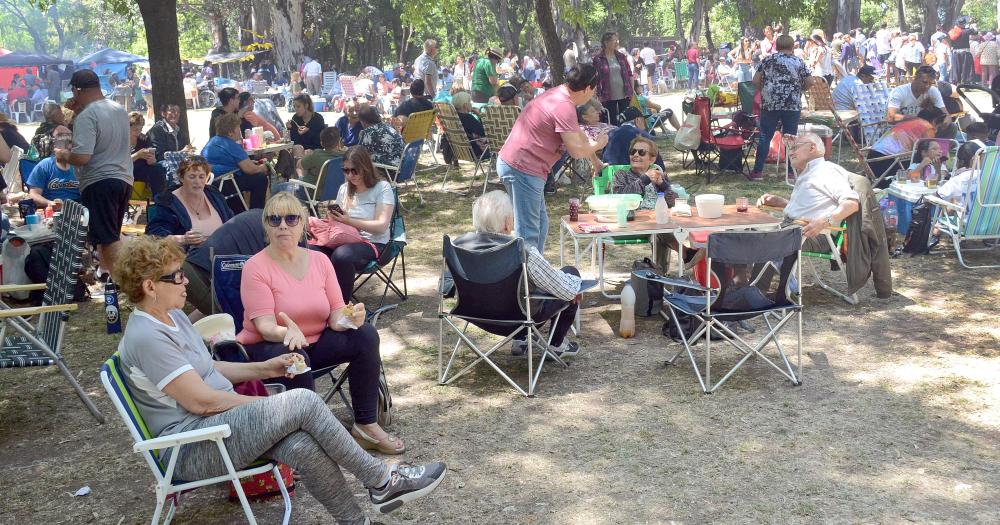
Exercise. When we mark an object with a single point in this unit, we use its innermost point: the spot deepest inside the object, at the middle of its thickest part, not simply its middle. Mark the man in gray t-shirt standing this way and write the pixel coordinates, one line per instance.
(103, 163)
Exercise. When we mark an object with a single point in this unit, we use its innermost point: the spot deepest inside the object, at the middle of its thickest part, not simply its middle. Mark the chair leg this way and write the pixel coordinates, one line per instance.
(236, 483)
(79, 391)
(284, 495)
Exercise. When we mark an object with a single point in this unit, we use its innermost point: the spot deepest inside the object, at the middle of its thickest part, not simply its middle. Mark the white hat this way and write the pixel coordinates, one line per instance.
(216, 328)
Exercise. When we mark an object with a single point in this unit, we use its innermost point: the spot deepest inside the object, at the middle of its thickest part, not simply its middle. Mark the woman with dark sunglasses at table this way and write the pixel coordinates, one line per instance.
(366, 203)
(643, 177)
(292, 301)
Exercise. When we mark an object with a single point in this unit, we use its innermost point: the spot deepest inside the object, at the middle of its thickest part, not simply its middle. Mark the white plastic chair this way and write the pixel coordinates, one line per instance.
(19, 107)
(12, 171)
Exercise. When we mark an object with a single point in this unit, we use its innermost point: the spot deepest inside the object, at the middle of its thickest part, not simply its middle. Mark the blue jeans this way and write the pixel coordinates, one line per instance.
(531, 220)
(692, 75)
(743, 73)
(768, 125)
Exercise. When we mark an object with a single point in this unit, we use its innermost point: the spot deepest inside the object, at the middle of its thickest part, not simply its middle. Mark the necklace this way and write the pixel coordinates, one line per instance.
(198, 213)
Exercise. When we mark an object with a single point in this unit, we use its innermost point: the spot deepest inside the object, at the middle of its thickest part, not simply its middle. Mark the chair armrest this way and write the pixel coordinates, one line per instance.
(36, 310)
(938, 201)
(680, 283)
(5, 288)
(302, 183)
(385, 166)
(182, 438)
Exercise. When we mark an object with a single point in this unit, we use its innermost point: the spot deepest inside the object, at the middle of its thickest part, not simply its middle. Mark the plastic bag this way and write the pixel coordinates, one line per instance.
(689, 136)
(15, 252)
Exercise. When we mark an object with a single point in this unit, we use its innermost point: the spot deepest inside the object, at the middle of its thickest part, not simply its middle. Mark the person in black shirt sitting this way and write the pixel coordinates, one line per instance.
(417, 103)
(229, 102)
(306, 124)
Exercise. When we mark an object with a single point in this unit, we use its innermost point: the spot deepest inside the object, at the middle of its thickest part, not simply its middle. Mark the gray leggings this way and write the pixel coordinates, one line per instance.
(297, 429)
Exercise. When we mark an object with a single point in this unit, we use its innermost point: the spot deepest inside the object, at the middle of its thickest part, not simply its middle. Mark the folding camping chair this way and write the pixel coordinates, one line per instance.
(681, 72)
(221, 180)
(347, 86)
(227, 271)
(113, 378)
(498, 121)
(329, 79)
(12, 172)
(978, 218)
(392, 253)
(872, 102)
(745, 265)
(492, 293)
(331, 177)
(836, 239)
(406, 170)
(821, 110)
(461, 147)
(41, 345)
(419, 126)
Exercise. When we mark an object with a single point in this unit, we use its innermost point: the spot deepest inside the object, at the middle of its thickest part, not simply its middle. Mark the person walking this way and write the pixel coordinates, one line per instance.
(615, 84)
(692, 58)
(484, 77)
(313, 73)
(780, 78)
(102, 156)
(545, 128)
(425, 67)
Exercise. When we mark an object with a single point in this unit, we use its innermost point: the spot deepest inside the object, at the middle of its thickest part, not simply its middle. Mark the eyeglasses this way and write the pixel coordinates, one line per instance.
(291, 220)
(637, 151)
(174, 278)
(351, 171)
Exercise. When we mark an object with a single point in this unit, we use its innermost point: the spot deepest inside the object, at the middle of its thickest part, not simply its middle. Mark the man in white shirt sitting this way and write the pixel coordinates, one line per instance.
(907, 100)
(843, 94)
(822, 196)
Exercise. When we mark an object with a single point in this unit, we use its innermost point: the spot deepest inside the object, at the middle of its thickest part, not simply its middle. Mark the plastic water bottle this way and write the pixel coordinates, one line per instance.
(626, 328)
(891, 224)
(662, 210)
(111, 314)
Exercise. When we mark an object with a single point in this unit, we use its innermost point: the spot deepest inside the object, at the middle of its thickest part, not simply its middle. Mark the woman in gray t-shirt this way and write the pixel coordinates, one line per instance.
(178, 387)
(366, 203)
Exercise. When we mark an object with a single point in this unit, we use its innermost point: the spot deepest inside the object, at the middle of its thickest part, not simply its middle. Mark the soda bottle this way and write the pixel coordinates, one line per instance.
(891, 224)
(111, 308)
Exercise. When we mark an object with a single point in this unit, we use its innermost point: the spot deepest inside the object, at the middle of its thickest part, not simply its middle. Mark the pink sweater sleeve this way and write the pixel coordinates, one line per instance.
(332, 286)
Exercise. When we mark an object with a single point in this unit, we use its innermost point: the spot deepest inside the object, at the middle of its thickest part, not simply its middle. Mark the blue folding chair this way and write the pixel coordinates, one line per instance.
(331, 177)
(407, 169)
(384, 266)
(227, 271)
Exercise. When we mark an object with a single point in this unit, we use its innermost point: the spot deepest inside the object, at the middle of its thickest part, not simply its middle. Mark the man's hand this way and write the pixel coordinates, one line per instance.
(577, 299)
(62, 155)
(771, 200)
(815, 227)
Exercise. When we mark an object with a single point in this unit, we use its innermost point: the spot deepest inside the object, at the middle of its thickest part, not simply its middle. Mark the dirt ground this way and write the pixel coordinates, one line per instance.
(897, 420)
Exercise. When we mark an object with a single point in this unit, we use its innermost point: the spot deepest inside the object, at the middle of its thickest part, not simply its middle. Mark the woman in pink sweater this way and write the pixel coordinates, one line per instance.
(292, 301)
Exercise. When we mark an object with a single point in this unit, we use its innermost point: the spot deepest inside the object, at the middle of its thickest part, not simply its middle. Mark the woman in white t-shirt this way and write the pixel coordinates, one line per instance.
(365, 202)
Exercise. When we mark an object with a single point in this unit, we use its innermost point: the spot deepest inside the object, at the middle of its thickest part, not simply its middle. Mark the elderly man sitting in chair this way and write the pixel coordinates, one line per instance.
(822, 196)
(493, 219)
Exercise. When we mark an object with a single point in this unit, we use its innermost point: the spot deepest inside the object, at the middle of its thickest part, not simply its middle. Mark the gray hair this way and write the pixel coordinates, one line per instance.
(816, 141)
(50, 109)
(491, 211)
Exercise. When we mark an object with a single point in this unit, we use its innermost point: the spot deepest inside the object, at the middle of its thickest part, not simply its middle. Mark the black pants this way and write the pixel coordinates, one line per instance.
(547, 309)
(348, 260)
(615, 108)
(153, 175)
(255, 184)
(879, 166)
(962, 67)
(358, 347)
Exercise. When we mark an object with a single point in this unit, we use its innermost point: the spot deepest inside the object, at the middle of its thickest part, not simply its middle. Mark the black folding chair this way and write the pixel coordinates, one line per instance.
(745, 264)
(384, 266)
(492, 291)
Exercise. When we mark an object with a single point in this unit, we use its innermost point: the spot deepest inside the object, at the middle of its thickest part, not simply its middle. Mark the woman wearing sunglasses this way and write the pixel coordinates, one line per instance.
(292, 301)
(365, 202)
(644, 177)
(177, 387)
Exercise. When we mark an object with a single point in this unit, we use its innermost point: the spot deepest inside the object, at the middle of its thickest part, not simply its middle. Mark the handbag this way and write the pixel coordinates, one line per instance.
(689, 136)
(331, 234)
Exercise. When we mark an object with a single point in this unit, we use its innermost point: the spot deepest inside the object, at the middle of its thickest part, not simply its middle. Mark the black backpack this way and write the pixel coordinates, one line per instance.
(920, 229)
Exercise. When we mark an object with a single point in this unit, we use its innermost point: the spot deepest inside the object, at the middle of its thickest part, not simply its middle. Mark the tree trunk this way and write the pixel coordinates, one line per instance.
(679, 24)
(59, 26)
(286, 22)
(543, 12)
(160, 19)
(217, 23)
(931, 19)
(952, 11)
(696, 18)
(901, 15)
(245, 27)
(708, 34)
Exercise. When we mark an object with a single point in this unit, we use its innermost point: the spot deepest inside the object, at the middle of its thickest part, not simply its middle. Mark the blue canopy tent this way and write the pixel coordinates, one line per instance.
(107, 62)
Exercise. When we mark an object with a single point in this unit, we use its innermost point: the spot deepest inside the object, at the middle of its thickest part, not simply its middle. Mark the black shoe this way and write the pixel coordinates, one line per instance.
(550, 190)
(406, 483)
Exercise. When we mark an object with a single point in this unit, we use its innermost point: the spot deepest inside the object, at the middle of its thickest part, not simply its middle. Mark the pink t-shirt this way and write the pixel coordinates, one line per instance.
(534, 144)
(692, 55)
(267, 290)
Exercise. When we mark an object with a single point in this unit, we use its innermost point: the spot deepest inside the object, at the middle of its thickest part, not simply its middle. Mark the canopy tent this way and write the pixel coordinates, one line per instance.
(223, 58)
(16, 62)
(108, 61)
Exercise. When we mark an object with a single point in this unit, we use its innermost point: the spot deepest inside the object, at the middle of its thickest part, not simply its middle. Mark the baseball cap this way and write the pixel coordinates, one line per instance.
(84, 78)
(866, 70)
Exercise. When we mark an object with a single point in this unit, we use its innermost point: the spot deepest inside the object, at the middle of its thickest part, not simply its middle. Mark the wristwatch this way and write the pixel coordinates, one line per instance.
(832, 222)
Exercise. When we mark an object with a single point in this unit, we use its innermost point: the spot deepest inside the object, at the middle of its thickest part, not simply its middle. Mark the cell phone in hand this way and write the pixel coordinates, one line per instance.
(335, 208)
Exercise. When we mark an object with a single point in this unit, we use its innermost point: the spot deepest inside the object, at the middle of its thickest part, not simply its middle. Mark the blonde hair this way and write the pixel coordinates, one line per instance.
(136, 118)
(143, 259)
(283, 203)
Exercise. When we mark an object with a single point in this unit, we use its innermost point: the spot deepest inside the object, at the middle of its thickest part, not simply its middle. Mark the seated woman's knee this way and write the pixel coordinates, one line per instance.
(368, 341)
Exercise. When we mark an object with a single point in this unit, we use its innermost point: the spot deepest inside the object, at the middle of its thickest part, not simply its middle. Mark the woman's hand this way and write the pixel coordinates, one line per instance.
(294, 339)
(338, 216)
(278, 366)
(655, 176)
(358, 316)
(193, 238)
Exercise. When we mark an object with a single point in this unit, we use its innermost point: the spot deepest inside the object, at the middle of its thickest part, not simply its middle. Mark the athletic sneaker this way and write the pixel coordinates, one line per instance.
(755, 176)
(407, 482)
(567, 349)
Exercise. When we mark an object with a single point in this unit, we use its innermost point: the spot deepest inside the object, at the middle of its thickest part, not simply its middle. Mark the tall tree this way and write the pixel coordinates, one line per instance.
(696, 19)
(679, 24)
(901, 15)
(550, 37)
(511, 17)
(159, 17)
(286, 21)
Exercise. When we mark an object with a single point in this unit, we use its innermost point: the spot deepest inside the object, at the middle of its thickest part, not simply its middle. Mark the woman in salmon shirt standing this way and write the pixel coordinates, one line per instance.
(292, 301)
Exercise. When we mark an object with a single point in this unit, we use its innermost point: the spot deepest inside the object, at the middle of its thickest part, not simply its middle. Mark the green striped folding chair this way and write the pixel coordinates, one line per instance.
(836, 239)
(978, 218)
(113, 378)
(607, 174)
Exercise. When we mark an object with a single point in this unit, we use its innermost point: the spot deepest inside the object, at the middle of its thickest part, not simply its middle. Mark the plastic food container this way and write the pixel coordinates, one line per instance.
(215, 328)
(709, 205)
(605, 206)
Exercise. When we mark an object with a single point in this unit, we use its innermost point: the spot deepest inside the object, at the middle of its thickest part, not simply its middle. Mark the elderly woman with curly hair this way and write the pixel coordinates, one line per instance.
(178, 387)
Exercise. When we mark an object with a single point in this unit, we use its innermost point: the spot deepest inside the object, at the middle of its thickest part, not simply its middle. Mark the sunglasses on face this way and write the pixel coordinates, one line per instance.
(637, 151)
(275, 220)
(173, 278)
(351, 171)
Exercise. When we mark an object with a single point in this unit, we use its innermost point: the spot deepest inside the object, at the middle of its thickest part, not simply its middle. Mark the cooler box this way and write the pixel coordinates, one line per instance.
(824, 133)
(319, 104)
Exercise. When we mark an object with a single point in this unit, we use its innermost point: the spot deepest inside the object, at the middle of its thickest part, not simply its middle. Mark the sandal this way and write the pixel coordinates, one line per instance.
(390, 445)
